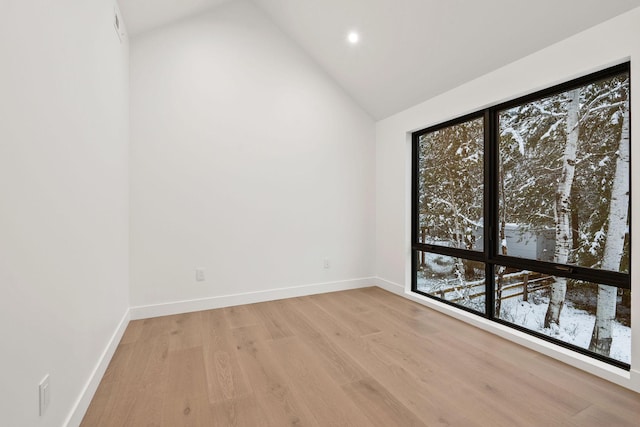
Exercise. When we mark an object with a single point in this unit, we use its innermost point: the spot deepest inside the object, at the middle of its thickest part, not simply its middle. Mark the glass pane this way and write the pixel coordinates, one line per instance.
(525, 298)
(450, 181)
(453, 279)
(564, 177)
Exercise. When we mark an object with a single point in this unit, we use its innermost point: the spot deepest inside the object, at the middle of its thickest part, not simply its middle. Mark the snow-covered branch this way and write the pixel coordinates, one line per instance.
(544, 111)
(516, 135)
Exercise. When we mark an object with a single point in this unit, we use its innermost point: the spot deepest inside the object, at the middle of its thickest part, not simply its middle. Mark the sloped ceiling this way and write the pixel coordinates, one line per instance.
(410, 50)
(144, 15)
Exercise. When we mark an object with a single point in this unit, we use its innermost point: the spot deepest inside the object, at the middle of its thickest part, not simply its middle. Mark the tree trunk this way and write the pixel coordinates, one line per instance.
(614, 246)
(503, 242)
(562, 211)
(458, 238)
(575, 219)
(626, 299)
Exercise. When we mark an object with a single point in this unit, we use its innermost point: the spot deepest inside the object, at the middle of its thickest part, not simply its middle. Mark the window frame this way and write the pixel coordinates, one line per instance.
(489, 255)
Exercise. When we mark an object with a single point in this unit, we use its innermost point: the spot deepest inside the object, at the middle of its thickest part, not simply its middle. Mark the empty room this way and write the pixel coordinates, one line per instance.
(319, 213)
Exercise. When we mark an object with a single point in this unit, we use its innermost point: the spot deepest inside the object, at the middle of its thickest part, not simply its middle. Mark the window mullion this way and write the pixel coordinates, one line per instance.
(490, 208)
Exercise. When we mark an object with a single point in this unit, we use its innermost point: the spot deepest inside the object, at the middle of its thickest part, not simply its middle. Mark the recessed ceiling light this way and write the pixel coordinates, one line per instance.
(353, 37)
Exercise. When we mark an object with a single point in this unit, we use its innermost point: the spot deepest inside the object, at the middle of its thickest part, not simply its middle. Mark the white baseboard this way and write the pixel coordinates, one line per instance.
(390, 286)
(635, 380)
(82, 404)
(142, 312)
(626, 379)
(178, 307)
(630, 380)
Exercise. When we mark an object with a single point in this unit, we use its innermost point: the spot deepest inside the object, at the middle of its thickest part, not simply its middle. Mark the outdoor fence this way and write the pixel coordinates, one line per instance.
(520, 283)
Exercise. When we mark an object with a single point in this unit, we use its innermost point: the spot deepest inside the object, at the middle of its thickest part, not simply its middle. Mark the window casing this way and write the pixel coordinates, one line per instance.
(525, 206)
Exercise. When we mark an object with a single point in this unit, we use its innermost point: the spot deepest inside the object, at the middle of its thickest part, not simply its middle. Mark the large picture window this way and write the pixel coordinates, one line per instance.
(521, 214)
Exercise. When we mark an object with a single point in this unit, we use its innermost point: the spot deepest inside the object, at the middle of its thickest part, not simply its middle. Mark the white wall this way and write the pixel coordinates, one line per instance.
(246, 161)
(607, 44)
(64, 201)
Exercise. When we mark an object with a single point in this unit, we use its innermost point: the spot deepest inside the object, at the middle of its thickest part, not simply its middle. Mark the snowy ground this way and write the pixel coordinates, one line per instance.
(576, 325)
(575, 328)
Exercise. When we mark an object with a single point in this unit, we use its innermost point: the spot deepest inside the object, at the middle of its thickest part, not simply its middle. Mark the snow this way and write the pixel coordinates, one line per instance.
(597, 239)
(614, 118)
(576, 326)
(516, 135)
(531, 181)
(539, 158)
(551, 130)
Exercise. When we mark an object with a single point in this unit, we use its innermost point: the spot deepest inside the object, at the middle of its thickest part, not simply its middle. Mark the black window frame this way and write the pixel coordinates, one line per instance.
(489, 255)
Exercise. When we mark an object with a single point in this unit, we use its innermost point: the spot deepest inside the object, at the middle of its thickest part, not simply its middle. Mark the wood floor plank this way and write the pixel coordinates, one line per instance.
(323, 397)
(240, 316)
(384, 313)
(186, 412)
(186, 376)
(514, 382)
(338, 332)
(147, 407)
(381, 407)
(595, 416)
(392, 376)
(155, 353)
(363, 357)
(396, 302)
(133, 332)
(340, 309)
(269, 315)
(155, 327)
(102, 405)
(147, 361)
(242, 412)
(338, 364)
(588, 387)
(117, 369)
(269, 382)
(225, 378)
(424, 361)
(114, 402)
(186, 331)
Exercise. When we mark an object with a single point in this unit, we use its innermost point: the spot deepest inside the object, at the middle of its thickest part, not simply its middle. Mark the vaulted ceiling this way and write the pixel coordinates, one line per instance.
(409, 50)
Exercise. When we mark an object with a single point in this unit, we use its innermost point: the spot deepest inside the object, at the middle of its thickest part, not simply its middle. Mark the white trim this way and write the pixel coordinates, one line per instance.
(635, 380)
(82, 404)
(186, 306)
(392, 287)
(630, 380)
(585, 363)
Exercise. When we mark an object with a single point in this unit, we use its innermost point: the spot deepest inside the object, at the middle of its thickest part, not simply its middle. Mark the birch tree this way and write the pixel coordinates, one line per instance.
(503, 241)
(600, 131)
(601, 337)
(556, 169)
(562, 209)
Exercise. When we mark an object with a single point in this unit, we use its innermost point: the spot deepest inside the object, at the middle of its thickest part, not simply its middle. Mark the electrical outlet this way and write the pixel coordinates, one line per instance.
(45, 394)
(200, 274)
(326, 263)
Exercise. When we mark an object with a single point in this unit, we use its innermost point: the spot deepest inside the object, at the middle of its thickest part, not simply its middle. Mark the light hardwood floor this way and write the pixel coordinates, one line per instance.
(355, 358)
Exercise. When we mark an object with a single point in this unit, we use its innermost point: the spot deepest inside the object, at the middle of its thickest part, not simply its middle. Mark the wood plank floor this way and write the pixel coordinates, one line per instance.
(355, 358)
